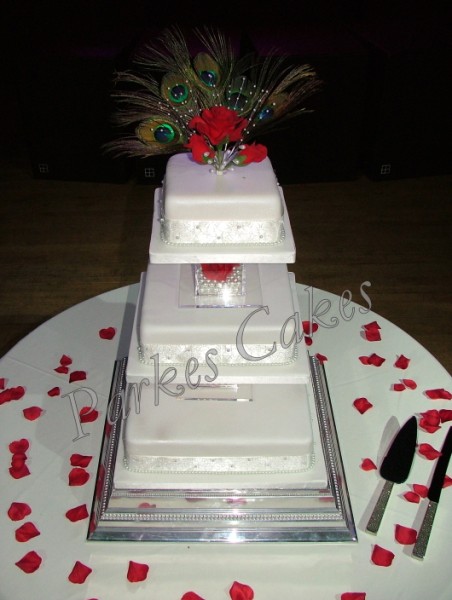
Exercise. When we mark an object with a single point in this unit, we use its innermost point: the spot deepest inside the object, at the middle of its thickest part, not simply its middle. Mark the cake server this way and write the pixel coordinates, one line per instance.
(433, 496)
(395, 468)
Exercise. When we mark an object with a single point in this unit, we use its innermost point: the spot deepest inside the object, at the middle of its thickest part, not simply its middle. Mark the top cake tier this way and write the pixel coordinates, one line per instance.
(204, 214)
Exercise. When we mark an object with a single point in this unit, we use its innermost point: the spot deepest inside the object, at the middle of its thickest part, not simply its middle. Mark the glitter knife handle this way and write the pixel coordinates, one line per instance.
(420, 547)
(377, 514)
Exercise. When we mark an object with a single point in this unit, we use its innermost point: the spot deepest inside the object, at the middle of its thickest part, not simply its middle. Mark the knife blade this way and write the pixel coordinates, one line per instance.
(434, 493)
(395, 468)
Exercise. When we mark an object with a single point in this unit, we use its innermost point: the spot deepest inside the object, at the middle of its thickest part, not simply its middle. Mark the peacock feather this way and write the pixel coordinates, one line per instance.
(168, 87)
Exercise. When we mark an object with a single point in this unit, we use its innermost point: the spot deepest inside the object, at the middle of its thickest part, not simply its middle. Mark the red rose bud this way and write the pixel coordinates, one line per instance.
(200, 150)
(251, 153)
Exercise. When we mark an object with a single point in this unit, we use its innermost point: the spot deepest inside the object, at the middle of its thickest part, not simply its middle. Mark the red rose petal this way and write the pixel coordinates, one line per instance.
(428, 428)
(410, 383)
(15, 393)
(77, 376)
(32, 413)
(438, 394)
(321, 357)
(412, 497)
(55, 391)
(191, 596)
(78, 477)
(108, 333)
(147, 505)
(2, 383)
(137, 572)
(236, 500)
(65, 360)
(398, 387)
(18, 511)
(78, 513)
(80, 460)
(19, 472)
(62, 369)
(428, 452)
(372, 332)
(432, 416)
(368, 465)
(19, 446)
(308, 340)
(88, 414)
(382, 557)
(353, 596)
(422, 490)
(241, 591)
(79, 573)
(372, 336)
(309, 327)
(445, 415)
(362, 405)
(373, 360)
(402, 362)
(447, 481)
(30, 562)
(374, 326)
(430, 421)
(26, 532)
(18, 460)
(405, 535)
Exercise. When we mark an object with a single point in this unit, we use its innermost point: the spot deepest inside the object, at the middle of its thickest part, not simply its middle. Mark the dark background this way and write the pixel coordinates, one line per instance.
(384, 111)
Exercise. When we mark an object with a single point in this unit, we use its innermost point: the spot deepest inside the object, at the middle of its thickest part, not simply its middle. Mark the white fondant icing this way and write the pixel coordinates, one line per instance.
(162, 252)
(235, 335)
(241, 206)
(271, 433)
(295, 372)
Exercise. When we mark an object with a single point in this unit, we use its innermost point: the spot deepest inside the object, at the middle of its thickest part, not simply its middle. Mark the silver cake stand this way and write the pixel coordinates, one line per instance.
(265, 513)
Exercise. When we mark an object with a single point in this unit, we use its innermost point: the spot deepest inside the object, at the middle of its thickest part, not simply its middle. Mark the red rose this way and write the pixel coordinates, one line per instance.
(219, 124)
(251, 153)
(200, 150)
(217, 271)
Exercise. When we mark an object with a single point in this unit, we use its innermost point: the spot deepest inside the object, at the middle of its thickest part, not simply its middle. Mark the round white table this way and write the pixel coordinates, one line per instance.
(77, 342)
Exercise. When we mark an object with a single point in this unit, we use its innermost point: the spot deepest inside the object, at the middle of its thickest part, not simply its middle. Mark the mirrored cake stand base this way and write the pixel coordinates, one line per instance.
(287, 511)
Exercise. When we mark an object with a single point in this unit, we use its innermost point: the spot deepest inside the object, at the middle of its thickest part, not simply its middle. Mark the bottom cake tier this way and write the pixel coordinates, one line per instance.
(308, 506)
(220, 429)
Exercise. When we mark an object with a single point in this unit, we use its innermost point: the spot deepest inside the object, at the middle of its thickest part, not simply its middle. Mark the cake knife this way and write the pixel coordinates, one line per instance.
(395, 468)
(433, 496)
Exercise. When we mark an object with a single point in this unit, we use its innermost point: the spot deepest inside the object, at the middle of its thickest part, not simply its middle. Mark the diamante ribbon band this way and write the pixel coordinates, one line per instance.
(226, 354)
(218, 464)
(221, 232)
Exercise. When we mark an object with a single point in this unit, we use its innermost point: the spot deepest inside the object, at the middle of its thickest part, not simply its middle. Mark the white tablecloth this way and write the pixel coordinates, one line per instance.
(291, 571)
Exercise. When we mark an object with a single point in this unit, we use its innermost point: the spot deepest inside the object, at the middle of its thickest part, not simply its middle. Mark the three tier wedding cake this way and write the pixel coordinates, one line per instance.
(216, 373)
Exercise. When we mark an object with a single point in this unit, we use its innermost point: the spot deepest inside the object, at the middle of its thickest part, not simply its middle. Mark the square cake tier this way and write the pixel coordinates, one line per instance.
(262, 335)
(237, 206)
(265, 429)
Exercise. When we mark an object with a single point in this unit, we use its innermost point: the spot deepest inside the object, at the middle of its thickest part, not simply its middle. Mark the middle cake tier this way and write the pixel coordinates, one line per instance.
(173, 331)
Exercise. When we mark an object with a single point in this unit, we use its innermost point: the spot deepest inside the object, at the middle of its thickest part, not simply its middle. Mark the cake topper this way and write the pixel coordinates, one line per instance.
(213, 104)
